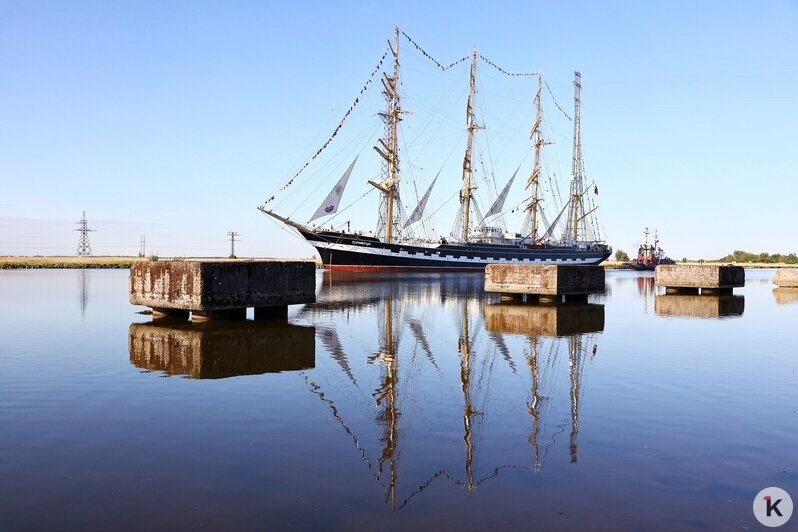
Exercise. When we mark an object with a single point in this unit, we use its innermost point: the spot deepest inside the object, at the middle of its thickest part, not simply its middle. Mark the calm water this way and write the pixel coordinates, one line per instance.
(396, 402)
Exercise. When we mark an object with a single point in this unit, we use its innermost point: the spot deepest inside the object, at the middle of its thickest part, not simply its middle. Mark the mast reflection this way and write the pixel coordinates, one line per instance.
(572, 322)
(418, 385)
(216, 350)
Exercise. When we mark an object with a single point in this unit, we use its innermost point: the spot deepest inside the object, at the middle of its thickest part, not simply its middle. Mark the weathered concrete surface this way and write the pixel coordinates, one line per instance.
(214, 285)
(785, 296)
(537, 320)
(215, 350)
(786, 278)
(545, 280)
(703, 306)
(699, 276)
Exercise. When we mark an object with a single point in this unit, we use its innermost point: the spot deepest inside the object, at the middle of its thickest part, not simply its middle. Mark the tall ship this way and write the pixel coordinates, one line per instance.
(409, 243)
(649, 256)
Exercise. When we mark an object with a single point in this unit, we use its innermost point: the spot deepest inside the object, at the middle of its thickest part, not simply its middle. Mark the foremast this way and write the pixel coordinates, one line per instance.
(533, 181)
(471, 126)
(388, 147)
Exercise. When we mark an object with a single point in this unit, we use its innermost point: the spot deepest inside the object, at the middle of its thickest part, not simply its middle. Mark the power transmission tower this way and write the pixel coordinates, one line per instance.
(84, 248)
(143, 251)
(233, 236)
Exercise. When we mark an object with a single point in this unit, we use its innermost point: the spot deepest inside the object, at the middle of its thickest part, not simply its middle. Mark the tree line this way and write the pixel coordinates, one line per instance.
(745, 256)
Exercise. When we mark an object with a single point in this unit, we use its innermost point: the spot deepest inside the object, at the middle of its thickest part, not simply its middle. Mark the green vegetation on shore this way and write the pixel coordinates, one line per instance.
(10, 263)
(738, 256)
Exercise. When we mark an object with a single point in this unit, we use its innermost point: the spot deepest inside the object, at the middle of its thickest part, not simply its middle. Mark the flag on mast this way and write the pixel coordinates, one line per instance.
(333, 199)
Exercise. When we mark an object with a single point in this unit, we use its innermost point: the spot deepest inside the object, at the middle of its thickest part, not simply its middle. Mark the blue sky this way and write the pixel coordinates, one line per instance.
(177, 119)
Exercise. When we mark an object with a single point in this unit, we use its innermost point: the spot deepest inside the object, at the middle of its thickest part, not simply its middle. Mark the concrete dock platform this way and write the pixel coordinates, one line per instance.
(222, 289)
(215, 350)
(708, 278)
(786, 278)
(548, 283)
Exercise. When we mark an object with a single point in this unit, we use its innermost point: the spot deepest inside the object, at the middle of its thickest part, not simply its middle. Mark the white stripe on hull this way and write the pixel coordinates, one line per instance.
(437, 257)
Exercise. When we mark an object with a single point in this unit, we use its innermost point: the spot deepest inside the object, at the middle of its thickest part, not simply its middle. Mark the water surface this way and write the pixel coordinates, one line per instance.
(396, 402)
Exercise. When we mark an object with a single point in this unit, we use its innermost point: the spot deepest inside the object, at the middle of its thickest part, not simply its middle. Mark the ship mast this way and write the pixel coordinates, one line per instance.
(534, 178)
(575, 214)
(386, 397)
(537, 399)
(388, 145)
(464, 347)
(471, 126)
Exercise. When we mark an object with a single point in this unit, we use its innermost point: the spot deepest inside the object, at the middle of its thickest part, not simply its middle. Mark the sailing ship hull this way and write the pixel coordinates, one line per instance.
(347, 252)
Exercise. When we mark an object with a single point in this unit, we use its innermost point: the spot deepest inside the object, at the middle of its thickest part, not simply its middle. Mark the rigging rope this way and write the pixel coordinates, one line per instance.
(424, 52)
(366, 85)
(555, 101)
(500, 69)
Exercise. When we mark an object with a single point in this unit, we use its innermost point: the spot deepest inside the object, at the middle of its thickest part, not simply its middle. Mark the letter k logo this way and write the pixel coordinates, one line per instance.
(772, 506)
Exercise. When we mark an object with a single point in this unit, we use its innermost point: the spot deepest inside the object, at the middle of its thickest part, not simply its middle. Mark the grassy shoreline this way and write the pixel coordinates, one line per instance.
(39, 262)
(25, 263)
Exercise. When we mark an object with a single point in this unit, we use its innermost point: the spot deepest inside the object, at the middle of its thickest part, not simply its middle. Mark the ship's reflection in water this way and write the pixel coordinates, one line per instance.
(215, 350)
(435, 363)
(699, 306)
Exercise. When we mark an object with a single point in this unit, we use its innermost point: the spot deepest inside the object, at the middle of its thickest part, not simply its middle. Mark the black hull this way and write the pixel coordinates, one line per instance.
(346, 252)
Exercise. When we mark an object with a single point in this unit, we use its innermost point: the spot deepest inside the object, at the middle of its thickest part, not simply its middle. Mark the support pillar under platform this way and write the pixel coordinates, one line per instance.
(158, 313)
(681, 290)
(272, 313)
(227, 314)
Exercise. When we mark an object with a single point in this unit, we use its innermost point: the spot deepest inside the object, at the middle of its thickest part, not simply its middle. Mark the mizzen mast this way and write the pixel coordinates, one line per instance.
(388, 147)
(471, 126)
(575, 216)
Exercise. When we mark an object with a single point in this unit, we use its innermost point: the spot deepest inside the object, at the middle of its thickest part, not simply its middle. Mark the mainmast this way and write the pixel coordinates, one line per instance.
(534, 178)
(388, 146)
(464, 347)
(386, 397)
(537, 399)
(471, 126)
(575, 214)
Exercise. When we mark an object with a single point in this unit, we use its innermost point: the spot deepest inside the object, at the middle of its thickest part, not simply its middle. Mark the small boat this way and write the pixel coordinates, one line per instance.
(650, 256)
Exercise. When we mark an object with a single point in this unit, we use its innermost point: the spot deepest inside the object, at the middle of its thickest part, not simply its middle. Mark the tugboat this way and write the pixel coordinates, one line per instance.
(650, 256)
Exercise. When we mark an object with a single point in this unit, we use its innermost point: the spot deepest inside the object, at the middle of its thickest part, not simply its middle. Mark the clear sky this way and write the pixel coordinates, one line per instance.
(177, 119)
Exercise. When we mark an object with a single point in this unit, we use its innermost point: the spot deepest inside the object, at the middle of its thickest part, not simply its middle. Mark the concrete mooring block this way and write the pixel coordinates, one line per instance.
(706, 277)
(221, 289)
(548, 281)
(786, 278)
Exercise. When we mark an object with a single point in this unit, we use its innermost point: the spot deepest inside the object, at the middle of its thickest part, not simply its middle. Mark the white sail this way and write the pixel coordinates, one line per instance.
(419, 210)
(498, 205)
(550, 230)
(333, 199)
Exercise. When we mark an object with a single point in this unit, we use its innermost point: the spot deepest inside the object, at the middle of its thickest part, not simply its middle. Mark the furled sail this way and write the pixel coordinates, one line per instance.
(498, 205)
(333, 199)
(419, 210)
